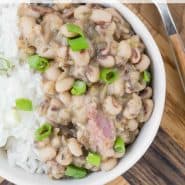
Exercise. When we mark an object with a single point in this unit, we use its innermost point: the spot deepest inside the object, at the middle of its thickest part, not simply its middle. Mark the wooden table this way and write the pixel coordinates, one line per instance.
(164, 162)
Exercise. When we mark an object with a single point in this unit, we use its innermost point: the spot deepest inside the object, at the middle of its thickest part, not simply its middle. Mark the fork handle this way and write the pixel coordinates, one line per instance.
(178, 47)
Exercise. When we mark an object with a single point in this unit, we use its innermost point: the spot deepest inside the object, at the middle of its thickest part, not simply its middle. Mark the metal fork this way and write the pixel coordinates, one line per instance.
(174, 37)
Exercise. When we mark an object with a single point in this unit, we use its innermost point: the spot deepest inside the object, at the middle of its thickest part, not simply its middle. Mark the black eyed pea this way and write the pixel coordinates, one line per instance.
(47, 153)
(116, 88)
(112, 106)
(64, 84)
(80, 58)
(52, 73)
(49, 87)
(56, 142)
(74, 147)
(146, 93)
(146, 111)
(132, 124)
(64, 157)
(55, 170)
(106, 61)
(143, 64)
(65, 98)
(93, 73)
(109, 164)
(133, 107)
(100, 16)
(82, 12)
(124, 50)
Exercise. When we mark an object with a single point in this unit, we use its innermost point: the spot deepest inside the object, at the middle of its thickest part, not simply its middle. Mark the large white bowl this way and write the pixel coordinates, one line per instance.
(143, 141)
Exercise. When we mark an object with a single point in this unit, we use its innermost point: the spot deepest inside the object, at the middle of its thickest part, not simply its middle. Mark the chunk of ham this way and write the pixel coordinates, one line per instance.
(101, 133)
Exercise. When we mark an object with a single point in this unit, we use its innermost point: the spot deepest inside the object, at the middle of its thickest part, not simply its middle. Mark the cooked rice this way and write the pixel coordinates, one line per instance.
(17, 135)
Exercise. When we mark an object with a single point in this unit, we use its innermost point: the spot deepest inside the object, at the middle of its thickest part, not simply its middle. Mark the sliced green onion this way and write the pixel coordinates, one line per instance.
(78, 44)
(5, 65)
(79, 88)
(38, 63)
(75, 172)
(43, 132)
(74, 29)
(119, 145)
(93, 159)
(147, 76)
(108, 75)
(24, 104)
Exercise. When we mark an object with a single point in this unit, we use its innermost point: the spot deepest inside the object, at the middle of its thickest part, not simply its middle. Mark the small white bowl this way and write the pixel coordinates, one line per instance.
(146, 135)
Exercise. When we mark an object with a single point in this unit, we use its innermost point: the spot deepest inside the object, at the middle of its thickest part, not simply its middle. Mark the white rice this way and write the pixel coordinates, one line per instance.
(17, 135)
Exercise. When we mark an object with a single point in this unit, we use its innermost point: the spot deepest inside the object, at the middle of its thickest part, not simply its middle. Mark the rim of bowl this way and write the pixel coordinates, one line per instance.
(156, 116)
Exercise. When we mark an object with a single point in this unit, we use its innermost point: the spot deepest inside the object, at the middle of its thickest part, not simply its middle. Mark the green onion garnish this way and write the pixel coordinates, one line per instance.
(38, 63)
(24, 104)
(147, 76)
(5, 65)
(79, 88)
(119, 145)
(108, 75)
(93, 159)
(74, 29)
(43, 132)
(75, 172)
(78, 44)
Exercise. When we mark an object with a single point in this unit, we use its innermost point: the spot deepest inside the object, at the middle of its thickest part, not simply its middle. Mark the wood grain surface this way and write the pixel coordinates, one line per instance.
(179, 54)
(164, 162)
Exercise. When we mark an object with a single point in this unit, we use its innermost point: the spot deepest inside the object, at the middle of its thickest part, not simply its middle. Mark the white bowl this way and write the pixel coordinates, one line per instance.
(146, 135)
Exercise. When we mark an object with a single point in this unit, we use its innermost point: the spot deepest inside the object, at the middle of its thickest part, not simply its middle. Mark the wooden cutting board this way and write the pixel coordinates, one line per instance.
(164, 162)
